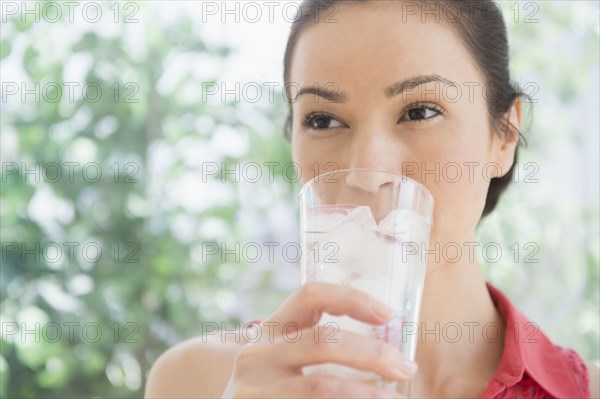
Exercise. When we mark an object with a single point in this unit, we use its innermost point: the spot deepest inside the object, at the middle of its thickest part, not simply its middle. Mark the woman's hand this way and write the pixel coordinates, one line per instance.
(272, 366)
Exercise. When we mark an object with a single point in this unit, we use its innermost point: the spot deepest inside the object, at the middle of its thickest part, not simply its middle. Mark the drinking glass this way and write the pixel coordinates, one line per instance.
(369, 230)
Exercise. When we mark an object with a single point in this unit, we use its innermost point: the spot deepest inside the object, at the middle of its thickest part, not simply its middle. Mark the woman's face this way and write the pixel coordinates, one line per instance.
(435, 133)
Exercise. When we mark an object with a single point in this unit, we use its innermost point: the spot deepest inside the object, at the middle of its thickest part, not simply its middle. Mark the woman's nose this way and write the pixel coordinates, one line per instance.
(377, 190)
(375, 149)
(371, 183)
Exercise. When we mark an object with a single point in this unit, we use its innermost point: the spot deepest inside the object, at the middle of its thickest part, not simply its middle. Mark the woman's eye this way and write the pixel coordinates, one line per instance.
(321, 121)
(421, 112)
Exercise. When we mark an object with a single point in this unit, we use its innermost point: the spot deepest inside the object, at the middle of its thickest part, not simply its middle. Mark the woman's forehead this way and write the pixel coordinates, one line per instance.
(378, 44)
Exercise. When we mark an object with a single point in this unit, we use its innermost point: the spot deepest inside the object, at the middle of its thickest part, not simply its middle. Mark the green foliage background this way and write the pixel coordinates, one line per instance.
(161, 134)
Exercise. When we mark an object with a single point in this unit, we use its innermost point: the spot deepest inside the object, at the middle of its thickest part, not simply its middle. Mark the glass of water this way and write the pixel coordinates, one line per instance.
(369, 230)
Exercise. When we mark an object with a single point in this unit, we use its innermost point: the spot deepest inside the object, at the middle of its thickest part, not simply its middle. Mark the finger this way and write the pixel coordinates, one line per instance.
(315, 386)
(322, 345)
(307, 304)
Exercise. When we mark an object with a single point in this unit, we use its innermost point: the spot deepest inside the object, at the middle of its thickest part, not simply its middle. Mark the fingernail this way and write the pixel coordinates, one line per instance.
(381, 310)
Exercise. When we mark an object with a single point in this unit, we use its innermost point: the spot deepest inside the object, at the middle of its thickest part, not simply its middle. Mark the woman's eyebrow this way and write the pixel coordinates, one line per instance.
(392, 90)
(332, 96)
(398, 88)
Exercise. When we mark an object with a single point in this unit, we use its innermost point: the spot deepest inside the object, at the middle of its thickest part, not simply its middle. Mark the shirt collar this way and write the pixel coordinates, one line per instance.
(527, 349)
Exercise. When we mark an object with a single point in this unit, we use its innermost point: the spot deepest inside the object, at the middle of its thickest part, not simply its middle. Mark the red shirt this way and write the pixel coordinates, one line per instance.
(532, 366)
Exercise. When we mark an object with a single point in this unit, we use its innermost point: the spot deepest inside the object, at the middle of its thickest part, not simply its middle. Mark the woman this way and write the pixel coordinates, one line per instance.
(385, 85)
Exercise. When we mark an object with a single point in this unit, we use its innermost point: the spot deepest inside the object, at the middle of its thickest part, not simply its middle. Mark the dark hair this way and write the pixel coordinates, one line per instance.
(480, 26)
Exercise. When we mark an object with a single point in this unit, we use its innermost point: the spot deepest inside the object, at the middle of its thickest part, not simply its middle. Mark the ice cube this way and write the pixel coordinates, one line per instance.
(399, 222)
(323, 218)
(360, 216)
